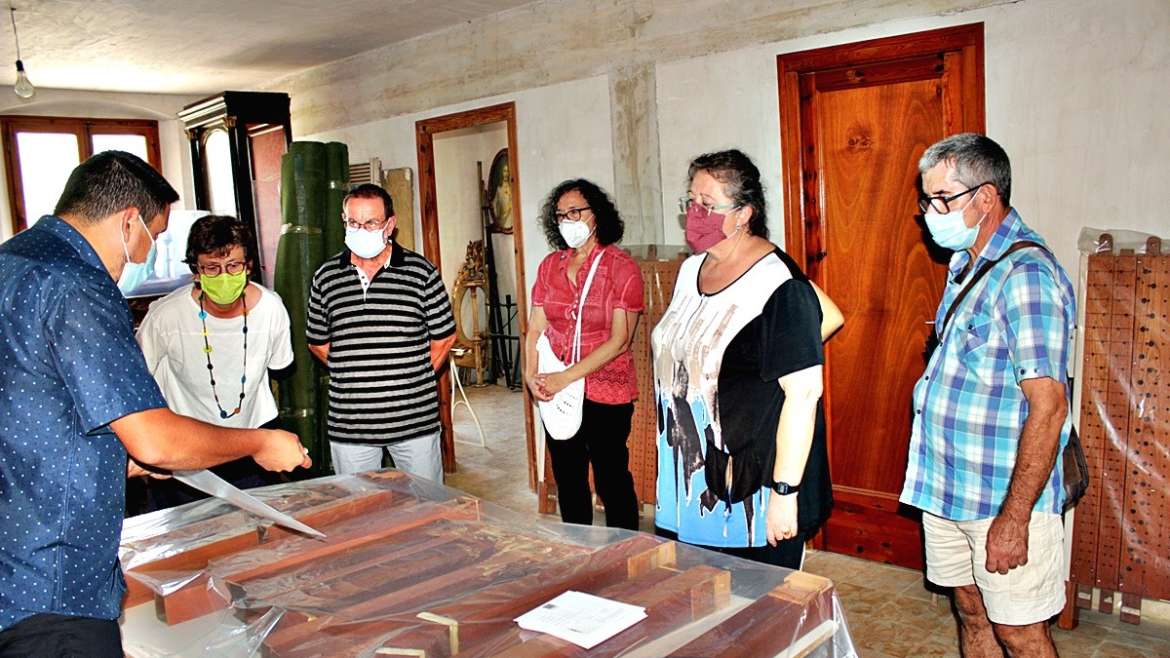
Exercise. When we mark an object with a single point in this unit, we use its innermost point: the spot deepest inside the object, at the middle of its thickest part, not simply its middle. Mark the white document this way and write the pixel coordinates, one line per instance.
(583, 619)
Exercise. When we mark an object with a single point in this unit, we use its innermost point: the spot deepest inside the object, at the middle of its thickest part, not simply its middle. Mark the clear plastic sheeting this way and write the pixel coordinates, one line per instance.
(1109, 241)
(1121, 531)
(411, 568)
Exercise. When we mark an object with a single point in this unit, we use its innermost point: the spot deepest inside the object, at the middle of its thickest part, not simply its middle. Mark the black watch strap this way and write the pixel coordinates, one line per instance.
(783, 488)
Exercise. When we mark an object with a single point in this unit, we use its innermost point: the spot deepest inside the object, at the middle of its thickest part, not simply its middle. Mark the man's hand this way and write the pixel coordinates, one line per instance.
(781, 520)
(1007, 544)
(282, 451)
(134, 470)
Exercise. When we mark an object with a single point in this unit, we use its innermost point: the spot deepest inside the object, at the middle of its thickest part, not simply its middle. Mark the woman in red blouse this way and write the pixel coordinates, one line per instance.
(581, 222)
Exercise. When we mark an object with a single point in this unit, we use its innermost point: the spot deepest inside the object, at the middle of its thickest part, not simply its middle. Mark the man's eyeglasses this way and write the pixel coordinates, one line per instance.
(572, 214)
(367, 225)
(686, 204)
(942, 204)
(215, 269)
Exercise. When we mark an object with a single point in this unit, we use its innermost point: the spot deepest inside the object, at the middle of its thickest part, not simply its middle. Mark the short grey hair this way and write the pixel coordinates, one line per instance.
(977, 159)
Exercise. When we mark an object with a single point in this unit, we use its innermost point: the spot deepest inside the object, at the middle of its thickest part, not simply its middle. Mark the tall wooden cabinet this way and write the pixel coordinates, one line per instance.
(237, 141)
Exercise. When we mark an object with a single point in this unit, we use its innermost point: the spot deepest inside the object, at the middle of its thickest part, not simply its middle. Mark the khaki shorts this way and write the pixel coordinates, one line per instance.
(956, 556)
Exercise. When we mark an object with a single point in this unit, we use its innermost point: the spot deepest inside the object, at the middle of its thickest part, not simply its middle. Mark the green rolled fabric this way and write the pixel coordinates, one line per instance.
(303, 183)
(337, 182)
(296, 255)
(325, 463)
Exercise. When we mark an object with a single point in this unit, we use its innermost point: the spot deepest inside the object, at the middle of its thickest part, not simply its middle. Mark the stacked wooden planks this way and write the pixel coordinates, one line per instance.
(403, 575)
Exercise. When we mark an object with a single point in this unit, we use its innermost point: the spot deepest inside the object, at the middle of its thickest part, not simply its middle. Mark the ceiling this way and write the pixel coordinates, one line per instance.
(206, 46)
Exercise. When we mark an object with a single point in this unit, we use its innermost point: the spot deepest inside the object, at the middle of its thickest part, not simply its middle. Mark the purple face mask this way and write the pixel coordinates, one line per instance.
(703, 232)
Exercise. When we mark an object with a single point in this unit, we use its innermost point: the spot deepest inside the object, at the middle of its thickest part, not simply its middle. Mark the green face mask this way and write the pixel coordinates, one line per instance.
(224, 288)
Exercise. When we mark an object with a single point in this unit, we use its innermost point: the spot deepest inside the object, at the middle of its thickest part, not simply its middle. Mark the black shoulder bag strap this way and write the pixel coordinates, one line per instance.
(1075, 466)
(984, 269)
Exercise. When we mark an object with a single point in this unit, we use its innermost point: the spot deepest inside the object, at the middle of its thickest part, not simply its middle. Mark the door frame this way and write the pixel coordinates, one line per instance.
(425, 131)
(804, 221)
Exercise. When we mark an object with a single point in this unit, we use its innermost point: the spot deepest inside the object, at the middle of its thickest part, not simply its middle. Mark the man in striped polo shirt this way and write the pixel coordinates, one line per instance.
(381, 320)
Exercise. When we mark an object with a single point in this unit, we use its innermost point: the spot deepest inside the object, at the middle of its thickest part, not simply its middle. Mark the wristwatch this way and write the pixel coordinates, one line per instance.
(783, 488)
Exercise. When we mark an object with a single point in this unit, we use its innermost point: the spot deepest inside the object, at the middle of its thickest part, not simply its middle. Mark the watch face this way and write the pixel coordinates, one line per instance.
(783, 488)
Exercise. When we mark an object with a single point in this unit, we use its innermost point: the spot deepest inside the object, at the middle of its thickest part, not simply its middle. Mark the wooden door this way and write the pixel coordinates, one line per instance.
(854, 121)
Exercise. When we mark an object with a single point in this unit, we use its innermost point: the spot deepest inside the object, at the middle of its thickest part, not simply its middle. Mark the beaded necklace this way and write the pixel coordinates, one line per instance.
(207, 351)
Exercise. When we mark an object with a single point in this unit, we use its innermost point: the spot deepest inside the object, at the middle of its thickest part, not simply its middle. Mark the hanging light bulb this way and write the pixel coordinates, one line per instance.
(23, 87)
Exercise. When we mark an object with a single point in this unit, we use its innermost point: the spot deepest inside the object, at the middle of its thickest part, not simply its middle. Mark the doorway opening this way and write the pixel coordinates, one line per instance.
(471, 230)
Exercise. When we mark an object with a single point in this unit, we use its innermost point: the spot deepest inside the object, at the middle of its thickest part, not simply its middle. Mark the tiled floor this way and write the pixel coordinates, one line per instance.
(890, 612)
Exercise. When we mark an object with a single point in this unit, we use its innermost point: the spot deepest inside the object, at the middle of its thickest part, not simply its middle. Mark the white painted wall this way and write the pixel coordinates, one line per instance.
(460, 216)
(176, 156)
(1075, 92)
(562, 131)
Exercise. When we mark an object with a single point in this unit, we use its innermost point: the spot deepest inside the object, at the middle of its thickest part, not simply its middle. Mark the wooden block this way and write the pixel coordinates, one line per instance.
(345, 633)
(271, 589)
(465, 564)
(479, 612)
(1105, 605)
(195, 559)
(671, 601)
(1070, 615)
(195, 598)
(769, 625)
(1131, 608)
(1084, 597)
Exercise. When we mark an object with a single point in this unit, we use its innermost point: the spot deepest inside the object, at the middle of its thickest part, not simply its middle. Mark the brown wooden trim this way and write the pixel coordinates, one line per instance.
(84, 128)
(842, 489)
(790, 159)
(903, 46)
(925, 67)
(429, 219)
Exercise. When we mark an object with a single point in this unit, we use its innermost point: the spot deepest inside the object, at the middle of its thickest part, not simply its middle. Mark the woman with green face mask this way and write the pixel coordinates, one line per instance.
(211, 344)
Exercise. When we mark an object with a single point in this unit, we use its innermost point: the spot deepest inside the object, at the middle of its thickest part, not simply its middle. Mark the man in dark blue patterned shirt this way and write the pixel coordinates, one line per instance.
(75, 397)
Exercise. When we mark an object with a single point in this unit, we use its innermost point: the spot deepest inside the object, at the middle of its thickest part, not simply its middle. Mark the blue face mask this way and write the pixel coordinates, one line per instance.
(135, 274)
(951, 231)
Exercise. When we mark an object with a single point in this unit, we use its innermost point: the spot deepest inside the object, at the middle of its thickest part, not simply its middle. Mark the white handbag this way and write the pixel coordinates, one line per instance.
(562, 414)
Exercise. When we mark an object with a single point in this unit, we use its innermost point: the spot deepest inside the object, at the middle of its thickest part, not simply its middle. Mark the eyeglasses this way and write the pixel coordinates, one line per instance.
(367, 225)
(942, 204)
(572, 214)
(215, 269)
(686, 204)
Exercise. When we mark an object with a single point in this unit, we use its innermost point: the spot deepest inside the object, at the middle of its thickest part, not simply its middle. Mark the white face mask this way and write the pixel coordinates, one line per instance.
(950, 231)
(363, 243)
(575, 233)
(135, 274)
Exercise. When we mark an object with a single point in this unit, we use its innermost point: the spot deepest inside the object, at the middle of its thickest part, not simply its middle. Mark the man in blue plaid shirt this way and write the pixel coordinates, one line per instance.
(991, 409)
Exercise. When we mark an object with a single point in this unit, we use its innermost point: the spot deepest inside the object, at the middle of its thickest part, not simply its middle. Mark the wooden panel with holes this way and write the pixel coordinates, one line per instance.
(659, 268)
(1121, 534)
(1094, 437)
(1116, 416)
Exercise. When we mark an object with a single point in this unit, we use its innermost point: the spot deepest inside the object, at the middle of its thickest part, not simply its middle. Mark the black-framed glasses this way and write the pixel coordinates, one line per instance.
(572, 214)
(686, 203)
(367, 225)
(215, 269)
(942, 204)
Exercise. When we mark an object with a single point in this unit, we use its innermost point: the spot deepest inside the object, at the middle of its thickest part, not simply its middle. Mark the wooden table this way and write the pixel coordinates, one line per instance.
(411, 568)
